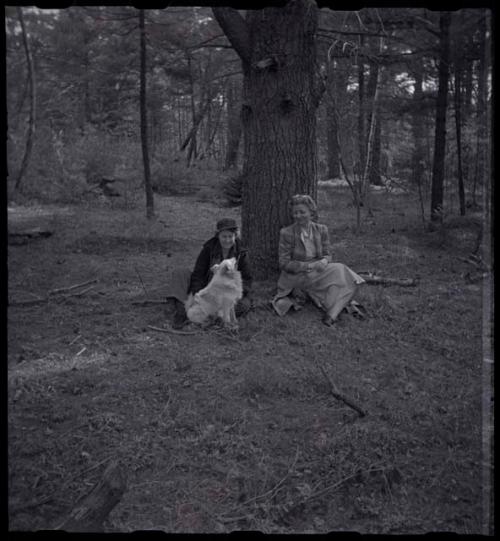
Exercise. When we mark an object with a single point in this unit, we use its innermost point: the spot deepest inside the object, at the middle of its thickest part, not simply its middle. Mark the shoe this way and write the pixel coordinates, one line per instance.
(328, 321)
(358, 310)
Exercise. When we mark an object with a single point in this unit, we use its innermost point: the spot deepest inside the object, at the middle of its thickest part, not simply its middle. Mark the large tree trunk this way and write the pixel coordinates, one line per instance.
(440, 133)
(31, 121)
(233, 123)
(144, 120)
(281, 91)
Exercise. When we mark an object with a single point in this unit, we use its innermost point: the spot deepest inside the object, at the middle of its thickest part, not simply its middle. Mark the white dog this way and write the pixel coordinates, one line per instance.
(219, 297)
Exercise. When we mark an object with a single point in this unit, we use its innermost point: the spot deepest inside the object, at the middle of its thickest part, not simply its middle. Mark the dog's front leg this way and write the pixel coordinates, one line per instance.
(229, 317)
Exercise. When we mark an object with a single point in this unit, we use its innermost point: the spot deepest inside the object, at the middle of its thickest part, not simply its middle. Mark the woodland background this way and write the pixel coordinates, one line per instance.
(81, 89)
(126, 143)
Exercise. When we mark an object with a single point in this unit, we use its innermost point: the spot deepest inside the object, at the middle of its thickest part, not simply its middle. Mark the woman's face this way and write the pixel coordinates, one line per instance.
(301, 214)
(227, 239)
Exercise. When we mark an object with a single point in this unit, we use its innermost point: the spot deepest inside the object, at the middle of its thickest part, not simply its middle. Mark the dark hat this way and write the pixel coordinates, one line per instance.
(226, 224)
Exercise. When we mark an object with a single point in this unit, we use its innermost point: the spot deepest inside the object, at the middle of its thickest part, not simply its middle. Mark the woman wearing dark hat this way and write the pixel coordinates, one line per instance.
(224, 244)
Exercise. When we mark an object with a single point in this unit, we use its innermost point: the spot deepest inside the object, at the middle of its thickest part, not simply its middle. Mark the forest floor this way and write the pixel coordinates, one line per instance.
(219, 432)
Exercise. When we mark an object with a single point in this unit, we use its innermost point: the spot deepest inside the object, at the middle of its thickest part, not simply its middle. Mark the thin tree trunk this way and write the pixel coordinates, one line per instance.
(31, 121)
(365, 183)
(418, 134)
(334, 90)
(215, 129)
(458, 128)
(196, 119)
(144, 120)
(361, 114)
(374, 150)
(481, 133)
(440, 130)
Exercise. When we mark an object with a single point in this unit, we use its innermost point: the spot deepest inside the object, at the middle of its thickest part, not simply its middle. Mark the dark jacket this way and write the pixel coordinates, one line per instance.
(211, 254)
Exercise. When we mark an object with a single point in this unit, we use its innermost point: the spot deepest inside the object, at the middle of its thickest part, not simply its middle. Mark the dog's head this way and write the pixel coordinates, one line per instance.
(227, 266)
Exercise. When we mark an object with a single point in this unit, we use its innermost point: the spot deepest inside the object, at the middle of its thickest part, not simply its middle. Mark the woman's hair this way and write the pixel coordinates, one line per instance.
(308, 201)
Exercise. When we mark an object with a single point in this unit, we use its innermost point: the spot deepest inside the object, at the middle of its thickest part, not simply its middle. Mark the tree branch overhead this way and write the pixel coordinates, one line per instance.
(236, 30)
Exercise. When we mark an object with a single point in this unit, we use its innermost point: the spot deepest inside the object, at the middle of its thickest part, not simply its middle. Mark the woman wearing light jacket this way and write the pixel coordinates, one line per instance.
(305, 264)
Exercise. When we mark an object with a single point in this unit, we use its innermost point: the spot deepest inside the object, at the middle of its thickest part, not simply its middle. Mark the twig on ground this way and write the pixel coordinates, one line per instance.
(28, 303)
(75, 340)
(51, 294)
(476, 261)
(142, 283)
(268, 494)
(172, 331)
(80, 352)
(338, 395)
(50, 497)
(225, 334)
(78, 294)
(372, 279)
(323, 491)
(70, 288)
(149, 301)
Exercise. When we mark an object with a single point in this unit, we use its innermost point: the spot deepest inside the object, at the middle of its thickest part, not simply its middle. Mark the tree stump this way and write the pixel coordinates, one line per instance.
(89, 513)
(17, 237)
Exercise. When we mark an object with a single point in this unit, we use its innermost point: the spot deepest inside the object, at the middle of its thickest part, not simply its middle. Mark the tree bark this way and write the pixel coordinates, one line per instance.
(458, 128)
(233, 123)
(31, 121)
(440, 130)
(144, 120)
(281, 91)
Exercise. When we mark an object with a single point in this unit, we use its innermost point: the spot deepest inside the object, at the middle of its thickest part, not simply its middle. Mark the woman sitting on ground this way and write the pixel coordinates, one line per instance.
(223, 245)
(305, 263)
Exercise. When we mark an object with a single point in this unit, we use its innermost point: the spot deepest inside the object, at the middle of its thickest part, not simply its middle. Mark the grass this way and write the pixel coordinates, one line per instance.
(217, 432)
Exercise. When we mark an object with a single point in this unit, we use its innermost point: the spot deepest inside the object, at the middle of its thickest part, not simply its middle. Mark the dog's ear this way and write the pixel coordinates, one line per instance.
(214, 268)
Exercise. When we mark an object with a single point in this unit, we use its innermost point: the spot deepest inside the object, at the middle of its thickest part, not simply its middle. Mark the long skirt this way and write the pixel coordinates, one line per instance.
(330, 289)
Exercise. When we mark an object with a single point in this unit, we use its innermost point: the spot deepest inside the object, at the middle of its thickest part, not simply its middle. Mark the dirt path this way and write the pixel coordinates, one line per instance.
(219, 432)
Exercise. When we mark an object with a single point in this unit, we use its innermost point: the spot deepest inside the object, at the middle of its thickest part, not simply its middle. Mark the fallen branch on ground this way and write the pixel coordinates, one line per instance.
(339, 396)
(78, 294)
(22, 237)
(172, 331)
(27, 303)
(149, 301)
(53, 495)
(90, 513)
(70, 288)
(476, 261)
(51, 294)
(373, 279)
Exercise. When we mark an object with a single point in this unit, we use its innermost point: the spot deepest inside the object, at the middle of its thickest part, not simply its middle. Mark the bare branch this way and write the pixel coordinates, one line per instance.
(236, 30)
